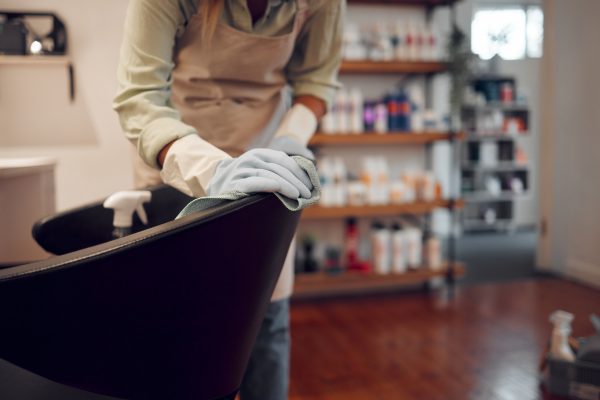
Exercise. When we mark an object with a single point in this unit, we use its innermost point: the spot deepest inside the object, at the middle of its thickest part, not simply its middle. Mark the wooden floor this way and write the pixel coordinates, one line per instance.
(485, 344)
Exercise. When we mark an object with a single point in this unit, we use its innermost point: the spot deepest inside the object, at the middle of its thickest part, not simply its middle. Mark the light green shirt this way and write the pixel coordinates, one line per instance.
(151, 29)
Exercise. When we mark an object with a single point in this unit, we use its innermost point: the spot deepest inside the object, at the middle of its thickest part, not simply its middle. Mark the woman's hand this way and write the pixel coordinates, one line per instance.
(261, 170)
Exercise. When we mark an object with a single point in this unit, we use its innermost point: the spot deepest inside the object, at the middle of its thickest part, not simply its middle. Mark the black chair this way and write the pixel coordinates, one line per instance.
(169, 312)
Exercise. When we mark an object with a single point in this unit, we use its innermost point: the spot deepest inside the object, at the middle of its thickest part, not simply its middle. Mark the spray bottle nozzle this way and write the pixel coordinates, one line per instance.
(125, 203)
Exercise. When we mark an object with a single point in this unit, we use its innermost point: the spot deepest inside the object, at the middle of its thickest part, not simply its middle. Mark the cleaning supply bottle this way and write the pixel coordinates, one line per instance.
(124, 204)
(398, 249)
(351, 244)
(381, 241)
(432, 250)
(559, 348)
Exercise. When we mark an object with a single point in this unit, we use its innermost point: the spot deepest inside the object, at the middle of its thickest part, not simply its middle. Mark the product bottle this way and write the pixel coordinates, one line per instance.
(380, 241)
(403, 114)
(559, 348)
(416, 108)
(328, 122)
(351, 244)
(383, 181)
(411, 51)
(432, 251)
(381, 118)
(392, 112)
(339, 182)
(124, 204)
(341, 115)
(399, 261)
(369, 116)
(368, 177)
(356, 117)
(326, 177)
(414, 247)
(400, 49)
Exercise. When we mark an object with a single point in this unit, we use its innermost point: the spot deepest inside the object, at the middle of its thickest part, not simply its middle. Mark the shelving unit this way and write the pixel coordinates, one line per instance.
(392, 67)
(48, 60)
(493, 127)
(321, 284)
(318, 212)
(35, 60)
(390, 138)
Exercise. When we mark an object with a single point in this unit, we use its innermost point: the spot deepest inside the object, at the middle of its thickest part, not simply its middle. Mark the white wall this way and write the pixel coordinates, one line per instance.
(37, 119)
(571, 140)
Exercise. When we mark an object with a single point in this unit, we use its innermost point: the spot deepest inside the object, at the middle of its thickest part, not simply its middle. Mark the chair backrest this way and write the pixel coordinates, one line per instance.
(170, 312)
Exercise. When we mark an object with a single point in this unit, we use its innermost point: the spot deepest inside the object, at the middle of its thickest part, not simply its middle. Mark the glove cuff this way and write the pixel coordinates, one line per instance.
(190, 164)
(300, 123)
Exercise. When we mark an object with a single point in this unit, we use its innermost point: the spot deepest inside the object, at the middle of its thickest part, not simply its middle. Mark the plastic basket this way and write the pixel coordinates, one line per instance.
(577, 380)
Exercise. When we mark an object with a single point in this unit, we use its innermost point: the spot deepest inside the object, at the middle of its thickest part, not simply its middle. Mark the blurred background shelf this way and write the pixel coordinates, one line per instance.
(319, 212)
(390, 138)
(35, 60)
(351, 283)
(392, 67)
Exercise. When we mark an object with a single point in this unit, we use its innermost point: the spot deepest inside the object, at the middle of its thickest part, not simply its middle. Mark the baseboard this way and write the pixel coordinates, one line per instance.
(584, 272)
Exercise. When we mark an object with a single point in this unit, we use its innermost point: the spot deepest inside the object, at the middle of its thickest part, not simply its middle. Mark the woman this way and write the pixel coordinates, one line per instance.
(205, 93)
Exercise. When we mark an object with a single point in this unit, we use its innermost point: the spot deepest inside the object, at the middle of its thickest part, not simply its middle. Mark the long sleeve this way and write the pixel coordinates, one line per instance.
(145, 75)
(314, 65)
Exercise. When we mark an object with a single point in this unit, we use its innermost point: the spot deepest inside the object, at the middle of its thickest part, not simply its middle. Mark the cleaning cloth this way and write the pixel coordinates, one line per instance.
(204, 203)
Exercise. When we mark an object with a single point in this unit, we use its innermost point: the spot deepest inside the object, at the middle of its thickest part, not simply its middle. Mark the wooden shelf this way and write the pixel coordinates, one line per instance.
(323, 285)
(35, 60)
(319, 212)
(422, 3)
(390, 138)
(392, 67)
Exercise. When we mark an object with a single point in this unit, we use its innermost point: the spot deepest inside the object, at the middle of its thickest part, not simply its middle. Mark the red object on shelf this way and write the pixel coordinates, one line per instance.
(351, 244)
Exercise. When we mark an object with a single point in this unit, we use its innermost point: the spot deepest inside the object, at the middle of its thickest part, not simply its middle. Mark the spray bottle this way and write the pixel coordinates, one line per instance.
(559, 348)
(124, 204)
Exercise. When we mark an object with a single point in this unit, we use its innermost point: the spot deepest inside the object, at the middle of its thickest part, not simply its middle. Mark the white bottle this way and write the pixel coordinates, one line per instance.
(124, 204)
(381, 247)
(341, 112)
(400, 49)
(326, 176)
(328, 122)
(559, 348)
(417, 99)
(381, 118)
(356, 117)
(383, 181)
(432, 251)
(414, 239)
(339, 182)
(399, 248)
(411, 45)
(369, 178)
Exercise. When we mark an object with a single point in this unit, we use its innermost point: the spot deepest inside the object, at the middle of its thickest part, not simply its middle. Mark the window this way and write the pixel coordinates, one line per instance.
(512, 32)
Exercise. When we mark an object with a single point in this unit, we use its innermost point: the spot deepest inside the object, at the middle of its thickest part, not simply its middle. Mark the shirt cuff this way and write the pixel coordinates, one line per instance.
(157, 135)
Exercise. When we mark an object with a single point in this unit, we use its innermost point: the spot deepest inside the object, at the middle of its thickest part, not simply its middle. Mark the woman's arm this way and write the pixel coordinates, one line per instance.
(144, 75)
(313, 68)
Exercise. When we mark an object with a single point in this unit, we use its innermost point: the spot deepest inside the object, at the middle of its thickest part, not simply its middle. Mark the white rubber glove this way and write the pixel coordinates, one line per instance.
(261, 170)
(294, 132)
(190, 164)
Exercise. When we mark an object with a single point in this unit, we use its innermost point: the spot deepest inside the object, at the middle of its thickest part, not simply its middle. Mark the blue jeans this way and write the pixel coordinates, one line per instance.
(267, 375)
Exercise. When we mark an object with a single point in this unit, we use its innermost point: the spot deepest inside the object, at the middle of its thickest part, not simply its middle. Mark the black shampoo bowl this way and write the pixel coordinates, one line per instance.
(169, 312)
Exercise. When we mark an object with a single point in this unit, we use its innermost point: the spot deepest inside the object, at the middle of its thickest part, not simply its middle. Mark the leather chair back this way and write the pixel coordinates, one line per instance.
(170, 312)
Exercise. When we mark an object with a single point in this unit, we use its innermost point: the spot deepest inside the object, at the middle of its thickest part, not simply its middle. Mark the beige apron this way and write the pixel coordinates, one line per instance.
(233, 93)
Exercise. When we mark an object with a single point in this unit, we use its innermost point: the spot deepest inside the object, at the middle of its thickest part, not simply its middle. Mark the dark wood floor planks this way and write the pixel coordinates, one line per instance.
(483, 344)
